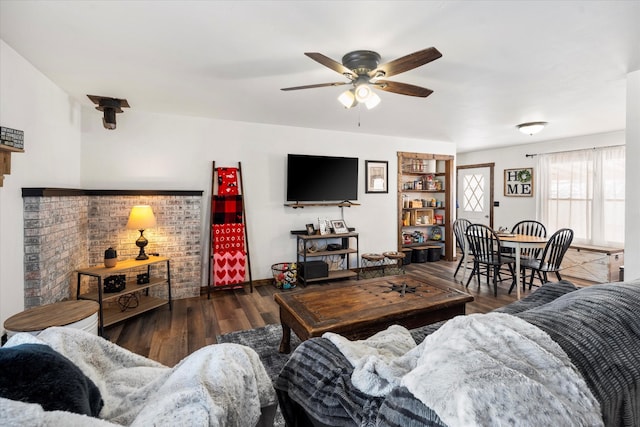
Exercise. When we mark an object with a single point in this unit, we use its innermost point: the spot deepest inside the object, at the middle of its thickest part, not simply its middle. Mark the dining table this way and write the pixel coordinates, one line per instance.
(518, 242)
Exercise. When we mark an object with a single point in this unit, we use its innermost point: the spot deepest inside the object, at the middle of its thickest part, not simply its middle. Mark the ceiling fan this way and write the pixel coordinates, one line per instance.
(362, 69)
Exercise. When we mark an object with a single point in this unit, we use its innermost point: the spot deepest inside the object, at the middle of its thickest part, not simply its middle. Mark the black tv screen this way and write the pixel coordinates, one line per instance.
(321, 178)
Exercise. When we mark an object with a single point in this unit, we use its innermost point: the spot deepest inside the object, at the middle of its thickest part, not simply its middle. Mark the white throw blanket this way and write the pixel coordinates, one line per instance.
(218, 385)
(478, 370)
(378, 361)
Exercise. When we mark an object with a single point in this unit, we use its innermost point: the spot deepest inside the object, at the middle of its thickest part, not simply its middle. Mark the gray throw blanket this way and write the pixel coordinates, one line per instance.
(597, 327)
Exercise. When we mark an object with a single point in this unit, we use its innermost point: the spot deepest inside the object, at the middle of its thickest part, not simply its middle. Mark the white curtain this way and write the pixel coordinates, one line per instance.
(583, 190)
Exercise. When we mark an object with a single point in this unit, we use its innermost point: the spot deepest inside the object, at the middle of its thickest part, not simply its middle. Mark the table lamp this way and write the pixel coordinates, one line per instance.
(141, 218)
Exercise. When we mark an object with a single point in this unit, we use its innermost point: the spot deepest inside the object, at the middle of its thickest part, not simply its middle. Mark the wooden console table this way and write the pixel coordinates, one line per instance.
(305, 253)
(111, 315)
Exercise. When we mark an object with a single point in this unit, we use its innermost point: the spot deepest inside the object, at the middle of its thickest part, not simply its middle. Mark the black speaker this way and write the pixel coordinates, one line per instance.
(313, 270)
(115, 283)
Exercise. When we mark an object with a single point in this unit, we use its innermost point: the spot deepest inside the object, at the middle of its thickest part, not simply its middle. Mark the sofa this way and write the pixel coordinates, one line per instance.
(69, 377)
(560, 356)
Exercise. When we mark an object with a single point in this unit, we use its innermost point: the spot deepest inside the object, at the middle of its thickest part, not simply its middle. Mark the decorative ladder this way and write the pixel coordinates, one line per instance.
(229, 260)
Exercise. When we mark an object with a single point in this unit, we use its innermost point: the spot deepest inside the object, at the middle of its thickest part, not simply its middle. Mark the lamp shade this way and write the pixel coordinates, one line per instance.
(141, 218)
(373, 101)
(348, 98)
(363, 92)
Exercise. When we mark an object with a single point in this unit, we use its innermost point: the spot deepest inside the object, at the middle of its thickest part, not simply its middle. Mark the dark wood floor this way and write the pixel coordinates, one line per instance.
(169, 336)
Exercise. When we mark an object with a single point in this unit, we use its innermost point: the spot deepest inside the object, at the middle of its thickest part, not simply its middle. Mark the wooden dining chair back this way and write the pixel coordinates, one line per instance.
(460, 226)
(551, 258)
(530, 228)
(486, 249)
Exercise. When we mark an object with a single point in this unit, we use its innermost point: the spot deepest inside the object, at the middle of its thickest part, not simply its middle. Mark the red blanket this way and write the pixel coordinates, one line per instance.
(229, 254)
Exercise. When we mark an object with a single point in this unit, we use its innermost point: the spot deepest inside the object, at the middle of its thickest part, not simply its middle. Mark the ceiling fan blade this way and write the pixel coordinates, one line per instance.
(402, 88)
(330, 63)
(406, 63)
(316, 85)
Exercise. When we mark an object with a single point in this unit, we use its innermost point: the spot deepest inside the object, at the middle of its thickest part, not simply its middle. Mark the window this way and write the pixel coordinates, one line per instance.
(584, 190)
(473, 200)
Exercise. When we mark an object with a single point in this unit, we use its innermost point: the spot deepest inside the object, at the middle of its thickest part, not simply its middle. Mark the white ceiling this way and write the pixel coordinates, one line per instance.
(503, 63)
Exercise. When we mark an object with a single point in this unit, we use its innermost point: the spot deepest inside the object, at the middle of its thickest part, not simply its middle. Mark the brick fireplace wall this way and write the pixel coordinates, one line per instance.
(55, 244)
(68, 229)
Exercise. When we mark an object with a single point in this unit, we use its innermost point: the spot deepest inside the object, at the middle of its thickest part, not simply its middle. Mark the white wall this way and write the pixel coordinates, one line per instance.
(632, 197)
(154, 151)
(514, 209)
(51, 124)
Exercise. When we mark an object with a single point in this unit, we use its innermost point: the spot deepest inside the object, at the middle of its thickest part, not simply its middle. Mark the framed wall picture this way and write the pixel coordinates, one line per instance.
(376, 176)
(518, 182)
(339, 227)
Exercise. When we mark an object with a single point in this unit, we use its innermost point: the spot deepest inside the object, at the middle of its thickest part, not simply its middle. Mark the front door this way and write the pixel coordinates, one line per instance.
(475, 193)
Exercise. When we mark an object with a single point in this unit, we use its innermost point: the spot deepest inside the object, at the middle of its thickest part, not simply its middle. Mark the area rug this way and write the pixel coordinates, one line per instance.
(265, 341)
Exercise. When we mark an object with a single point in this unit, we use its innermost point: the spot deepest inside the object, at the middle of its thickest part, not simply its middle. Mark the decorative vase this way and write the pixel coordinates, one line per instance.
(110, 258)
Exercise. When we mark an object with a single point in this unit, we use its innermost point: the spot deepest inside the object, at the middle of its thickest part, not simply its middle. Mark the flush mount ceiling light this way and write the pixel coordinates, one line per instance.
(110, 106)
(531, 128)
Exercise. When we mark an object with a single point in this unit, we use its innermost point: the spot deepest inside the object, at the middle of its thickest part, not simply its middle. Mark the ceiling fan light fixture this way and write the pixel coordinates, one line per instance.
(363, 70)
(363, 92)
(531, 128)
(373, 101)
(348, 98)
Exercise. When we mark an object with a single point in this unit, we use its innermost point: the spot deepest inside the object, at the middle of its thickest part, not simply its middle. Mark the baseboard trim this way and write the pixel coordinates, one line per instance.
(256, 283)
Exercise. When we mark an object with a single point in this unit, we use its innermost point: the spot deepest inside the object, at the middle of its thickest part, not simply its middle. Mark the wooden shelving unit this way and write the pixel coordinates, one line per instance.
(5, 160)
(418, 185)
(108, 315)
(304, 242)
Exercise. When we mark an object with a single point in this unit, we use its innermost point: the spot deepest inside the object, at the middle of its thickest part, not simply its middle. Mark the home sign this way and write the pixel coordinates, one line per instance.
(518, 182)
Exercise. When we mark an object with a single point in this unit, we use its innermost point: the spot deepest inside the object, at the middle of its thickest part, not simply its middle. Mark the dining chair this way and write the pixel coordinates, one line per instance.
(551, 258)
(530, 228)
(459, 229)
(486, 249)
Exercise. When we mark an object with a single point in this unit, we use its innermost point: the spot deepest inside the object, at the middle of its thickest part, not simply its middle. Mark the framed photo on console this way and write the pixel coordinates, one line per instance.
(376, 176)
(310, 230)
(339, 227)
(323, 226)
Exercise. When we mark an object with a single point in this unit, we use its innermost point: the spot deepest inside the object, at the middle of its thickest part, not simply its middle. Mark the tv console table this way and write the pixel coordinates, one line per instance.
(305, 251)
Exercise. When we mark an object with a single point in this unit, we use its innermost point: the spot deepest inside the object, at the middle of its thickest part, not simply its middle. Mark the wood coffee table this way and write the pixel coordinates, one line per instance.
(359, 309)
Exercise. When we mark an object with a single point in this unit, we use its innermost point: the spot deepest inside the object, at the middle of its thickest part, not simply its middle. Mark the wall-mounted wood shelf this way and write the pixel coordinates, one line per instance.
(5, 160)
(340, 204)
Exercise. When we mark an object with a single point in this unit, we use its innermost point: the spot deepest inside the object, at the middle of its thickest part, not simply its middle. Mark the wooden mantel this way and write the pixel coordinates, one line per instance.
(67, 192)
(5, 160)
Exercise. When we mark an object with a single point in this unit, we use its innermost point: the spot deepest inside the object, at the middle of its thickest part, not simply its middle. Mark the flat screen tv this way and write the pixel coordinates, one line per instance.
(321, 178)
